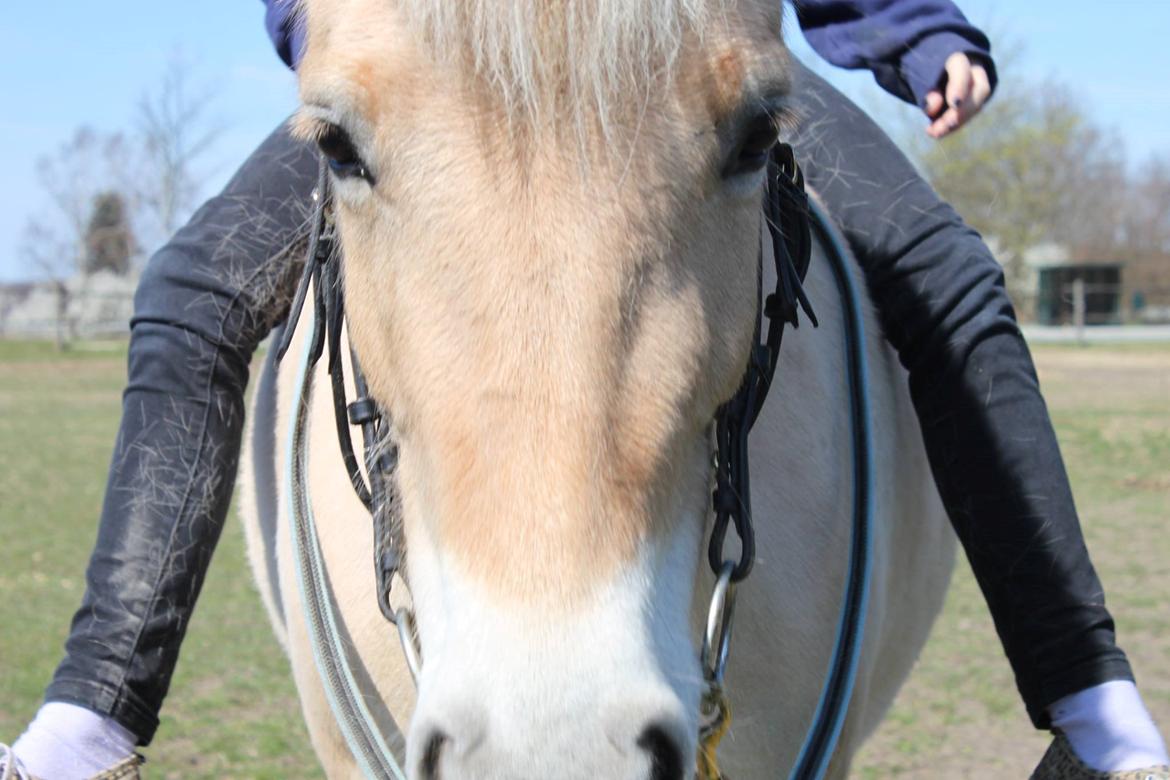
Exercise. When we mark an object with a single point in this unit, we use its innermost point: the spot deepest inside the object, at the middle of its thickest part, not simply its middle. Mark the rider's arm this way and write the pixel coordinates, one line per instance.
(916, 49)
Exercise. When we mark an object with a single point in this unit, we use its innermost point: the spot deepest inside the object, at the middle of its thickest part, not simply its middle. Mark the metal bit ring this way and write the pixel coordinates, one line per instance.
(717, 637)
(408, 636)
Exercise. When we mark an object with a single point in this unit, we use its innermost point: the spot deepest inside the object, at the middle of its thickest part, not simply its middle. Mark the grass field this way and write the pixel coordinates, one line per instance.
(232, 711)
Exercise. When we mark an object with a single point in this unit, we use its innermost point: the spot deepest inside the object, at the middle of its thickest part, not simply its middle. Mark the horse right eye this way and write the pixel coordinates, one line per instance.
(341, 155)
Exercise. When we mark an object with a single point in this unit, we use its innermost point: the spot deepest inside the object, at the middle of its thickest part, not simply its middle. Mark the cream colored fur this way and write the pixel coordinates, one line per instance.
(609, 46)
(552, 320)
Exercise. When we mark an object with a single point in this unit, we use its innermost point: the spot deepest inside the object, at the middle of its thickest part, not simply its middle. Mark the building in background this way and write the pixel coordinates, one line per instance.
(1112, 289)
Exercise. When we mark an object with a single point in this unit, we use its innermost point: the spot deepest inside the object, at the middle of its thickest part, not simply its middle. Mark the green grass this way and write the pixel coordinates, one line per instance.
(233, 712)
(35, 351)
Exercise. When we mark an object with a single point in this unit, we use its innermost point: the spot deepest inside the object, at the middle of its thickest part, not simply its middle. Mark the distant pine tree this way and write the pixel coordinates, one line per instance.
(109, 241)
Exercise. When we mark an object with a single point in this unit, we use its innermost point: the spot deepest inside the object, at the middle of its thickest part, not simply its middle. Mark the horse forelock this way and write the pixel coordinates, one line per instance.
(541, 57)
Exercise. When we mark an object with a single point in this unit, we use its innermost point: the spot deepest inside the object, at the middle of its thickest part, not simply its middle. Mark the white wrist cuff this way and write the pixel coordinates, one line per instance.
(1109, 728)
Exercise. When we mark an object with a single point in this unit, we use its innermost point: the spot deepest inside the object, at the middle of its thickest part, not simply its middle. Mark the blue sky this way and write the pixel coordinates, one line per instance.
(65, 64)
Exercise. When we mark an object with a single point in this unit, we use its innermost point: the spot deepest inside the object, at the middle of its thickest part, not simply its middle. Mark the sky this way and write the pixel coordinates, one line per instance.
(80, 62)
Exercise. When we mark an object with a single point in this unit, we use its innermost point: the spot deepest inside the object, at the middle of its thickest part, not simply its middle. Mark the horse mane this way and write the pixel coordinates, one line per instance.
(543, 57)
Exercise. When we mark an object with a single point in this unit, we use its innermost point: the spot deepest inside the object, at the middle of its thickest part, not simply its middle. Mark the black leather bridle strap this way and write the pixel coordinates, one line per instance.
(786, 215)
(322, 274)
(320, 248)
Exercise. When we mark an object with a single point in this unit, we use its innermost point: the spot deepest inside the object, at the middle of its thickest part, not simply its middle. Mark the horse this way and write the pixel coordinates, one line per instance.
(549, 216)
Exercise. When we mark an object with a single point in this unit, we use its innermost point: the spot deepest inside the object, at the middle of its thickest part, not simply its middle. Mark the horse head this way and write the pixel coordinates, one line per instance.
(550, 221)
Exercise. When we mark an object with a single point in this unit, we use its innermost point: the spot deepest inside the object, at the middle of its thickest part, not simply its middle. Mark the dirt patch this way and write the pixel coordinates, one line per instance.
(1095, 378)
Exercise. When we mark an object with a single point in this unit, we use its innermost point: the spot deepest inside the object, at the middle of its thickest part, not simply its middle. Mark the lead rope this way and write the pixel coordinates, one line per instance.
(821, 740)
(329, 647)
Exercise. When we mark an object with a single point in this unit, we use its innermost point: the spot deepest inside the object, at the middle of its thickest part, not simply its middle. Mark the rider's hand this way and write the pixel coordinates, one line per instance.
(967, 88)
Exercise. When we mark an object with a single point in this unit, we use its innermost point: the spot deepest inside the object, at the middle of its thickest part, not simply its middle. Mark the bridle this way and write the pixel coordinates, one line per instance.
(787, 215)
(322, 274)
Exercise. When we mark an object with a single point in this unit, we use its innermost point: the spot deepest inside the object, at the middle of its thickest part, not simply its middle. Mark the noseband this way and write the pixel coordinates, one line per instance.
(787, 215)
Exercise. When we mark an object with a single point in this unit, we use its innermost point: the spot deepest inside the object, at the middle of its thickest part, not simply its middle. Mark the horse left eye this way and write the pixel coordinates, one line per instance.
(751, 155)
(341, 155)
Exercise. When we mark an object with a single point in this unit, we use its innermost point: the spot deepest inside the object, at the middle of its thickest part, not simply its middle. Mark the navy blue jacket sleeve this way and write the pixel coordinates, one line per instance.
(905, 43)
(285, 30)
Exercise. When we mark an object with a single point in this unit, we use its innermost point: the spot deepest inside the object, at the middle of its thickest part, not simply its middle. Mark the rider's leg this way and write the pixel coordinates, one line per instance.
(205, 301)
(942, 303)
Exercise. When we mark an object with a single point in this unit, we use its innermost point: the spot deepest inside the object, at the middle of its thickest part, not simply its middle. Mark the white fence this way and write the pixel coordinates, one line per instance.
(79, 308)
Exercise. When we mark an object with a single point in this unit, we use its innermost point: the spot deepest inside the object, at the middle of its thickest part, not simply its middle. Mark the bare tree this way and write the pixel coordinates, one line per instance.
(1147, 209)
(54, 260)
(176, 133)
(54, 244)
(105, 198)
(88, 164)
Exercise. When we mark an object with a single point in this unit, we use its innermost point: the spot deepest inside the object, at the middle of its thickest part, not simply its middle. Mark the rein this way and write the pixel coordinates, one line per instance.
(787, 212)
(322, 274)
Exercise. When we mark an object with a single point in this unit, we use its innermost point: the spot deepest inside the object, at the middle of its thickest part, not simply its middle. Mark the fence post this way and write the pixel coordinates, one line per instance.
(1079, 309)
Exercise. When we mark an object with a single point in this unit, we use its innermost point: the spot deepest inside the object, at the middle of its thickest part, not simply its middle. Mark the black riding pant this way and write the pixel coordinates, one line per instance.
(210, 295)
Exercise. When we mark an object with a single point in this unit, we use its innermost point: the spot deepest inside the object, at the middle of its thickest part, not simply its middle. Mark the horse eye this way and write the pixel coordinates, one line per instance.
(751, 155)
(341, 155)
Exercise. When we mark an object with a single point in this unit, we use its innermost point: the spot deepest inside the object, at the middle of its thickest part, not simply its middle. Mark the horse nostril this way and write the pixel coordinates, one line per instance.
(666, 759)
(432, 755)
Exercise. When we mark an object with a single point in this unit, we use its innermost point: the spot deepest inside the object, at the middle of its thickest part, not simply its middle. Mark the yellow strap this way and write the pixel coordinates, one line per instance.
(710, 738)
